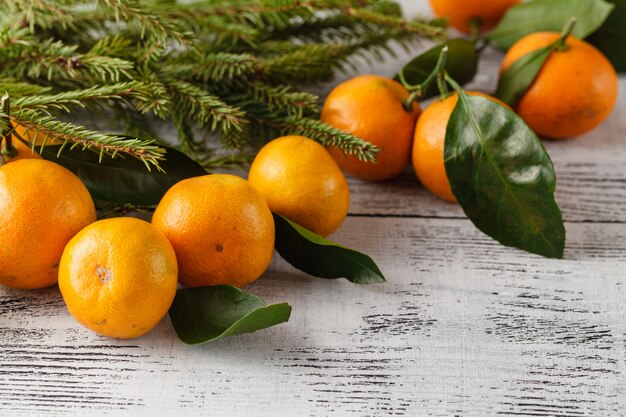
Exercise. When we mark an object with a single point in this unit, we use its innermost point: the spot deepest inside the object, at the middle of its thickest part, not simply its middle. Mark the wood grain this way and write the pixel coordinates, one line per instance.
(463, 327)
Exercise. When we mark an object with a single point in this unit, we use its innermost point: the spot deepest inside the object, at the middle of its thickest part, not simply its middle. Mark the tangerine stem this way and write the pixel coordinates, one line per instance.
(418, 90)
(8, 149)
(559, 44)
(453, 83)
(441, 84)
(474, 25)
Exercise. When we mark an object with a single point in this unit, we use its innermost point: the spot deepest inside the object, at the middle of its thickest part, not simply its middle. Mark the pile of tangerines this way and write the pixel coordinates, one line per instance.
(119, 276)
(575, 90)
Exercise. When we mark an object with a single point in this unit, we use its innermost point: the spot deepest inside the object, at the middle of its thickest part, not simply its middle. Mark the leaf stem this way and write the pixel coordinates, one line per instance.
(559, 44)
(441, 84)
(418, 90)
(453, 83)
(474, 25)
(8, 149)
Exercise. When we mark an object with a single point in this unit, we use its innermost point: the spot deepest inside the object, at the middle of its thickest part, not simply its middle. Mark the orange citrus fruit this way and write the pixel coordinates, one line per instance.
(302, 182)
(428, 151)
(371, 107)
(575, 90)
(460, 13)
(221, 228)
(42, 206)
(118, 277)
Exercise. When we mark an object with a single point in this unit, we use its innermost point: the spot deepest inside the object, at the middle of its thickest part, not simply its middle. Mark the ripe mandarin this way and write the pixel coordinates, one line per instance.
(371, 107)
(300, 181)
(221, 228)
(430, 135)
(575, 90)
(460, 13)
(42, 206)
(118, 277)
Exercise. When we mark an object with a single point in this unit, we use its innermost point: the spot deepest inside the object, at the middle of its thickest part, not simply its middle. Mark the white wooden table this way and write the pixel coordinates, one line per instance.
(463, 327)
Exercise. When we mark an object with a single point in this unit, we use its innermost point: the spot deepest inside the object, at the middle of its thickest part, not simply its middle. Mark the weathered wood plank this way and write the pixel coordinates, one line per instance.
(463, 326)
(587, 191)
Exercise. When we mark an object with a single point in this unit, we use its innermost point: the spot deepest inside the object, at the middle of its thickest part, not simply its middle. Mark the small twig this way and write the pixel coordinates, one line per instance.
(560, 44)
(418, 90)
(7, 149)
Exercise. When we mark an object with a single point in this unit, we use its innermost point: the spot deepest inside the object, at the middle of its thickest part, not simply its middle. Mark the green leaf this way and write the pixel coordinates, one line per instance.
(205, 314)
(514, 82)
(502, 176)
(124, 180)
(549, 15)
(611, 37)
(461, 64)
(322, 258)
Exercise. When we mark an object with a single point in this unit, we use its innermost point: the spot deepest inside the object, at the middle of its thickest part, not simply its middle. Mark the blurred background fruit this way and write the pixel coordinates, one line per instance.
(460, 12)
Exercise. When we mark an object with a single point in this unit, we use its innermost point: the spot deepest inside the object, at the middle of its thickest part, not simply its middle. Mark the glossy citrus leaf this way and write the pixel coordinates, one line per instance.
(514, 82)
(124, 180)
(205, 314)
(461, 64)
(549, 15)
(321, 257)
(611, 37)
(502, 176)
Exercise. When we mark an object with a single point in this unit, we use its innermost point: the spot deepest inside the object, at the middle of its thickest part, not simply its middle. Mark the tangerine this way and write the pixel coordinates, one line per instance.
(42, 206)
(371, 107)
(118, 277)
(428, 144)
(461, 13)
(575, 90)
(221, 228)
(301, 181)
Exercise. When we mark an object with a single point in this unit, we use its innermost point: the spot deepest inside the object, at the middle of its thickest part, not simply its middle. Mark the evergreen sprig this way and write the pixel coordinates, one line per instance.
(39, 123)
(230, 69)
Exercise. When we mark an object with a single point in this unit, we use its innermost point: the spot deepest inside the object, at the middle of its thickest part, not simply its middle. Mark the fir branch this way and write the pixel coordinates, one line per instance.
(132, 122)
(323, 133)
(225, 32)
(307, 63)
(234, 77)
(157, 100)
(151, 24)
(37, 12)
(115, 45)
(313, 62)
(17, 88)
(205, 108)
(74, 135)
(282, 99)
(213, 67)
(414, 26)
(62, 101)
(26, 57)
